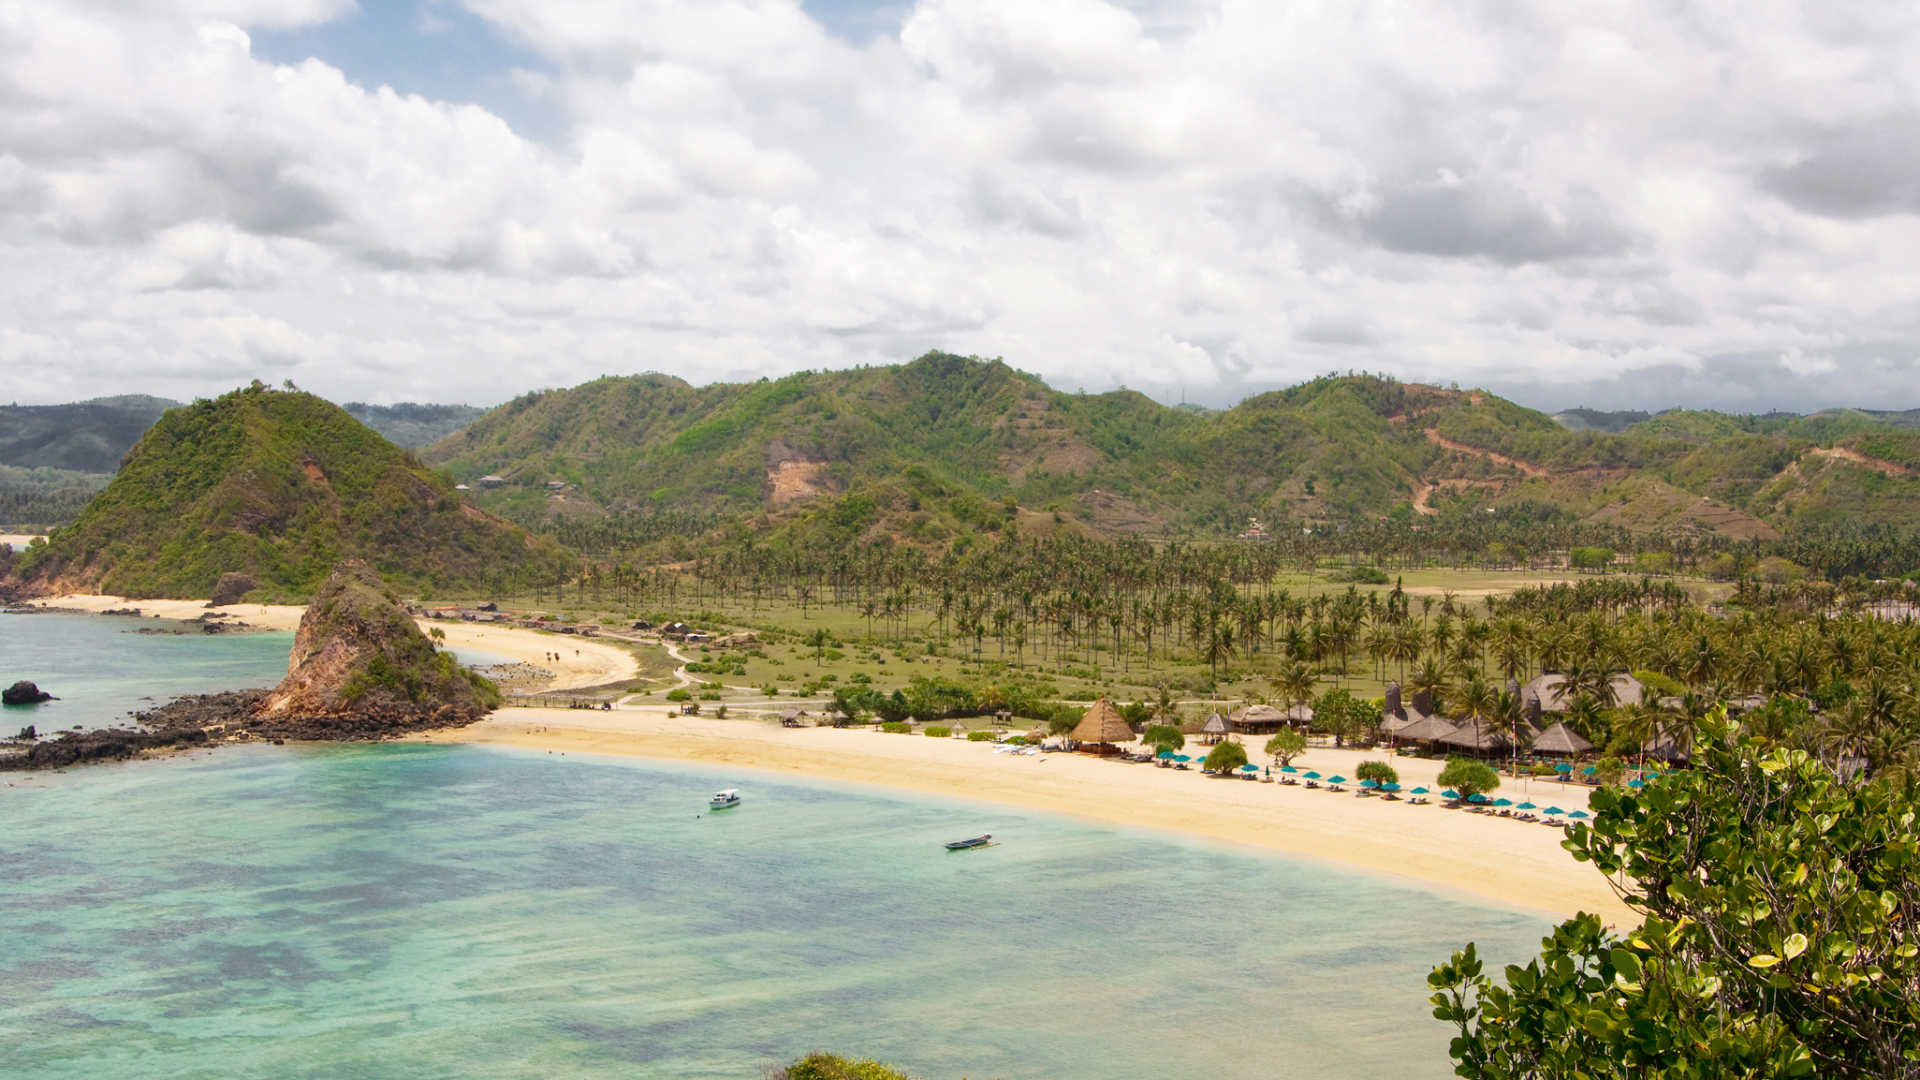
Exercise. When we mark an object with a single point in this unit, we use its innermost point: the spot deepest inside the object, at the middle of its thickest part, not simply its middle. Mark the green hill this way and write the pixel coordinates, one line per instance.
(947, 445)
(281, 486)
(413, 424)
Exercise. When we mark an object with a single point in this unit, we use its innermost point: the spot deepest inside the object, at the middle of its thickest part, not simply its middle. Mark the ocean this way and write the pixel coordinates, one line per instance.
(444, 911)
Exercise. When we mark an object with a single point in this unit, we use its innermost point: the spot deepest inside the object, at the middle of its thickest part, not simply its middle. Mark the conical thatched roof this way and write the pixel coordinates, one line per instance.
(1215, 725)
(1560, 739)
(1103, 724)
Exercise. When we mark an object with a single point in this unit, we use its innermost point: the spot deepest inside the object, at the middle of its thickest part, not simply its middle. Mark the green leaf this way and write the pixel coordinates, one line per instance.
(1795, 945)
(1763, 960)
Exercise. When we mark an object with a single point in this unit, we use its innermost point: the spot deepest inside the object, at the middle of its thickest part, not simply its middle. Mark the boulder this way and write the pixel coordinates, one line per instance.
(23, 693)
(360, 668)
(230, 588)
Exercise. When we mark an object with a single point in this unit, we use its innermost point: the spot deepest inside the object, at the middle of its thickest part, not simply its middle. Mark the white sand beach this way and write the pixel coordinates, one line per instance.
(17, 541)
(1499, 860)
(580, 663)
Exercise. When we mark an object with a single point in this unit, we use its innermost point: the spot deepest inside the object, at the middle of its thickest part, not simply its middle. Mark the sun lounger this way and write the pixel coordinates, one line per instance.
(1313, 783)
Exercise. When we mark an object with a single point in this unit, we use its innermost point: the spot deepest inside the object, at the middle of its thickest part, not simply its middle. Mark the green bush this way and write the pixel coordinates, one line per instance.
(979, 736)
(1015, 740)
(896, 727)
(679, 693)
(937, 732)
(834, 1067)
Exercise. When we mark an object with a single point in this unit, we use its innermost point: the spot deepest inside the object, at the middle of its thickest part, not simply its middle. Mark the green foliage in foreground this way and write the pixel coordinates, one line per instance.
(835, 1067)
(1286, 745)
(281, 486)
(1782, 934)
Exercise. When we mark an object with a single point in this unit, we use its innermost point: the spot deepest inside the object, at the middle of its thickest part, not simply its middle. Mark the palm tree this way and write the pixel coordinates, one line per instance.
(1294, 683)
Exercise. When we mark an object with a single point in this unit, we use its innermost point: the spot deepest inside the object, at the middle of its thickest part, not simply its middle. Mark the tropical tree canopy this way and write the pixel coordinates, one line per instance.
(1782, 933)
(1164, 736)
(1469, 777)
(1377, 770)
(1228, 755)
(1286, 745)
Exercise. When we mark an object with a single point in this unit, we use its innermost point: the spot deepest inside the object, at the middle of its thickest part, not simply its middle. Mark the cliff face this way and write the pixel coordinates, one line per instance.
(361, 668)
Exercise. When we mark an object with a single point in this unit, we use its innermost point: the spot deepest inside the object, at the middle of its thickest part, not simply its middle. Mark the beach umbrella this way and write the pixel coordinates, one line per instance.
(1311, 775)
(1369, 784)
(1336, 779)
(1477, 798)
(1589, 771)
(1165, 755)
(1635, 783)
(1389, 786)
(1526, 806)
(1182, 757)
(1288, 769)
(1418, 791)
(1503, 802)
(1563, 767)
(1652, 775)
(1551, 810)
(1249, 768)
(1450, 794)
(1579, 814)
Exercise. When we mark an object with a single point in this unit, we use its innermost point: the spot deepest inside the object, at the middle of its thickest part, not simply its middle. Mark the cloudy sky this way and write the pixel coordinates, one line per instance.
(1628, 203)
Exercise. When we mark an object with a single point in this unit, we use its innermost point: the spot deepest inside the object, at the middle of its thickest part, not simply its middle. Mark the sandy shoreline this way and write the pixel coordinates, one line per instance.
(1509, 863)
(18, 541)
(580, 664)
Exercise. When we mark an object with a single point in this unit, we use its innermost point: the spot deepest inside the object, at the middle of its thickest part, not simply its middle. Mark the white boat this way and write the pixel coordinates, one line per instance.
(723, 799)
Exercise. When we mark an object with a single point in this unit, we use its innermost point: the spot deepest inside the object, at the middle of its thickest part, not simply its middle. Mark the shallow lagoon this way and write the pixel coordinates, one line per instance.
(418, 910)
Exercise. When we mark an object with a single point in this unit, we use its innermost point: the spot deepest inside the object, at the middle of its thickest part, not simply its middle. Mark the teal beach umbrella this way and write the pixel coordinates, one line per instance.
(1450, 794)
(1369, 784)
(1336, 779)
(1477, 798)
(1526, 806)
(1579, 814)
(1418, 791)
(1249, 768)
(1311, 775)
(1389, 786)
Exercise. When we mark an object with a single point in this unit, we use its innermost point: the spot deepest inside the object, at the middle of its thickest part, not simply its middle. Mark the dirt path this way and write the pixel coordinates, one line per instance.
(1423, 495)
(1884, 468)
(1532, 472)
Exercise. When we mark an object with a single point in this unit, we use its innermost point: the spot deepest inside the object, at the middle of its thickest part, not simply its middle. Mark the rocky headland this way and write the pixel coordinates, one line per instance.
(360, 669)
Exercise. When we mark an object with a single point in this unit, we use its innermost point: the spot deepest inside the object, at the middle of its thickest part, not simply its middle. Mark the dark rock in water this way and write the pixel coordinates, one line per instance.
(28, 734)
(134, 611)
(230, 588)
(77, 748)
(23, 693)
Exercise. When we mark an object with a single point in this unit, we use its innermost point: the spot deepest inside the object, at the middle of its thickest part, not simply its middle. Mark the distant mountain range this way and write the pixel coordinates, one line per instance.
(92, 436)
(948, 445)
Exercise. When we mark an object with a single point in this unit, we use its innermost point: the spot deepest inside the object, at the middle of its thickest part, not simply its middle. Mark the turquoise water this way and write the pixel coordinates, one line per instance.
(100, 669)
(438, 911)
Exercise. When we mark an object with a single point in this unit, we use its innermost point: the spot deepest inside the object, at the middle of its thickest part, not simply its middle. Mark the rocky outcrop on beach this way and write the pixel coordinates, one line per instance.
(24, 693)
(231, 587)
(362, 669)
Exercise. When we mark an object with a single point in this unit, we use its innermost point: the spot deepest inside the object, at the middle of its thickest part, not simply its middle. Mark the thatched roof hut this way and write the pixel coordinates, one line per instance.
(1560, 739)
(1215, 726)
(1426, 729)
(1265, 719)
(1103, 724)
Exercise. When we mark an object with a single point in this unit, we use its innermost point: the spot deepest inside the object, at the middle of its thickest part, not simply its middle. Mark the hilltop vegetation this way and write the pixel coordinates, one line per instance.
(948, 446)
(280, 486)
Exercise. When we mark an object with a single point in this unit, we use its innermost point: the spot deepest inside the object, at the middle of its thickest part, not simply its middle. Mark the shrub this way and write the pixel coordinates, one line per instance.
(834, 1067)
(1468, 776)
(710, 695)
(1377, 770)
(1016, 740)
(1227, 756)
(979, 736)
(896, 727)
(938, 732)
(678, 693)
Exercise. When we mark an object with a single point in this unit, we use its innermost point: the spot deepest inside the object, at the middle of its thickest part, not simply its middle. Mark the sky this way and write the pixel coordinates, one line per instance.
(1620, 204)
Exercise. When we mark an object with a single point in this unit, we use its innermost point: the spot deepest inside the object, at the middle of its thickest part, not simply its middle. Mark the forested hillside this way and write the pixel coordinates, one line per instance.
(279, 486)
(948, 445)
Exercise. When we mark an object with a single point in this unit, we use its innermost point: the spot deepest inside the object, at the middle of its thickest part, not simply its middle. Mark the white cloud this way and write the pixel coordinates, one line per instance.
(1215, 195)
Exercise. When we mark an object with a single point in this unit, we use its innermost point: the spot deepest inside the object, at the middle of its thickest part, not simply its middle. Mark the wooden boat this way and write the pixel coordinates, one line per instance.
(968, 845)
(723, 799)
